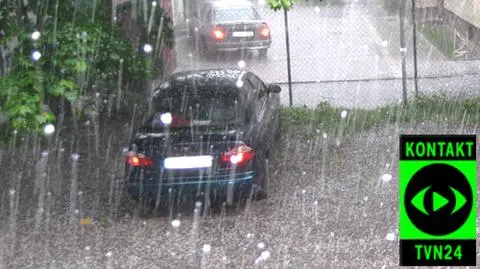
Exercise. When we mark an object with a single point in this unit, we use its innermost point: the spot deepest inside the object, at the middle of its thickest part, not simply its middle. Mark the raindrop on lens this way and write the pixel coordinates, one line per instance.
(386, 177)
(166, 118)
(206, 248)
(241, 64)
(36, 55)
(265, 255)
(49, 129)
(35, 35)
(390, 236)
(176, 223)
(75, 156)
(147, 48)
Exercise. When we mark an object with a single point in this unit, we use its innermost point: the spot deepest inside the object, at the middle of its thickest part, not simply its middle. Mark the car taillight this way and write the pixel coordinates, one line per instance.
(218, 33)
(139, 160)
(265, 32)
(239, 155)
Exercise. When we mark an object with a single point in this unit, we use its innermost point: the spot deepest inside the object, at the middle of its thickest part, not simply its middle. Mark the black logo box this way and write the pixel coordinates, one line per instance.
(405, 141)
(409, 255)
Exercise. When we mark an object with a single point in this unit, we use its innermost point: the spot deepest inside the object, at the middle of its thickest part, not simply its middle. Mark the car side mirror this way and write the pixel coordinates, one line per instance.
(274, 88)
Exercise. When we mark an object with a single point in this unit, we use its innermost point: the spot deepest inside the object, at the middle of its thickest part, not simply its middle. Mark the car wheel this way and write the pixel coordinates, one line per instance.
(260, 188)
(262, 53)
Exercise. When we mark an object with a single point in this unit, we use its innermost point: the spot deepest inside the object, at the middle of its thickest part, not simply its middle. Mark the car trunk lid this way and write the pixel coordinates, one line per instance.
(242, 31)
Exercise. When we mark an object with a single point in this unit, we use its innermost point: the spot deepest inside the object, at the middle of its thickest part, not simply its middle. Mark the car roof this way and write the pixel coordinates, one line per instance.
(230, 3)
(226, 77)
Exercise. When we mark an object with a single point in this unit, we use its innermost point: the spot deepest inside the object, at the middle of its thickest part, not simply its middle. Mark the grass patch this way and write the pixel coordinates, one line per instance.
(441, 36)
(327, 119)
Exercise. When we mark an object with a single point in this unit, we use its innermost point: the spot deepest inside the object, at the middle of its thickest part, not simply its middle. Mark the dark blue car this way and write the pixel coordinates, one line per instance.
(209, 133)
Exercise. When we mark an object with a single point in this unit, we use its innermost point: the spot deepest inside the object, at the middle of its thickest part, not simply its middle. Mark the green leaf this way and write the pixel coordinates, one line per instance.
(71, 96)
(67, 84)
(24, 110)
(49, 116)
(281, 4)
(40, 119)
(80, 66)
(114, 56)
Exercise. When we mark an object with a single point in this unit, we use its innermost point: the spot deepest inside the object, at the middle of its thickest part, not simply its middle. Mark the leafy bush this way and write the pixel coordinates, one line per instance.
(80, 53)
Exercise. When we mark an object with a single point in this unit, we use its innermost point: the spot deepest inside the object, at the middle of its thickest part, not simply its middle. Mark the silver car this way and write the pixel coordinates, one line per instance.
(221, 25)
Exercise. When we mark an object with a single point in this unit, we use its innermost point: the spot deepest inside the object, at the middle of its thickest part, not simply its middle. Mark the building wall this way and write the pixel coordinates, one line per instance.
(468, 10)
(426, 3)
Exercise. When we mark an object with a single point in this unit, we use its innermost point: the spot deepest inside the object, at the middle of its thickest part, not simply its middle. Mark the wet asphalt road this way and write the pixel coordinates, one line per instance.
(329, 208)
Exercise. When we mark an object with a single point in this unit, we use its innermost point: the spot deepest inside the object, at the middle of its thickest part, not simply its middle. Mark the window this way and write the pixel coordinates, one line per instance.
(258, 84)
(198, 106)
(236, 14)
(256, 98)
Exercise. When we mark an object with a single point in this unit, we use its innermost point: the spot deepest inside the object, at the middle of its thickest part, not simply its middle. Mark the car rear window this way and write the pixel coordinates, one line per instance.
(200, 109)
(236, 14)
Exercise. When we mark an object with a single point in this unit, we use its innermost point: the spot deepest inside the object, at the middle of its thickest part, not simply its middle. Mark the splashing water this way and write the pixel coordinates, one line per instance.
(40, 187)
(73, 188)
(206, 249)
(263, 257)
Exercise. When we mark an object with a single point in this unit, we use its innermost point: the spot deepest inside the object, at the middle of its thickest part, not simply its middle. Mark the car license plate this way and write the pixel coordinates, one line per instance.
(242, 34)
(188, 162)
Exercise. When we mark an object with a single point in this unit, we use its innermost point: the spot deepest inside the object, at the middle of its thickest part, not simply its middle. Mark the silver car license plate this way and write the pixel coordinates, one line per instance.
(242, 34)
(188, 162)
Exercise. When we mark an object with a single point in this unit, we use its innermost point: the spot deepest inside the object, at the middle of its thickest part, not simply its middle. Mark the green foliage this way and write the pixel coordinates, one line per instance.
(281, 4)
(80, 47)
(326, 118)
(7, 23)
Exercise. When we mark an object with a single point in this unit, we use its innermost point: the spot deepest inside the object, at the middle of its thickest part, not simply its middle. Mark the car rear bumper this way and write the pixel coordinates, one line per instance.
(244, 45)
(238, 183)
